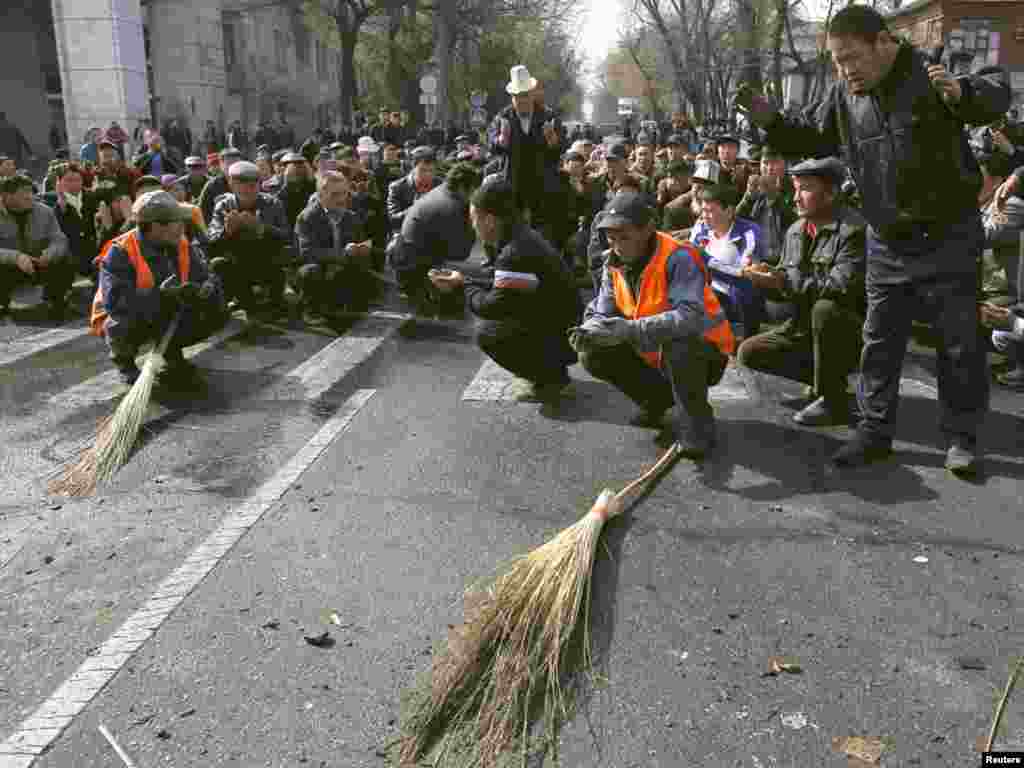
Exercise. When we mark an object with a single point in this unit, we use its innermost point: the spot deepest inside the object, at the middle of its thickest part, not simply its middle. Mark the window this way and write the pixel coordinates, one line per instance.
(280, 51)
(230, 51)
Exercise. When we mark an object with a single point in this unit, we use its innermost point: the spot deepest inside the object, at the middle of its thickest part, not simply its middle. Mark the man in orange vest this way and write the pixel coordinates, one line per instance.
(656, 330)
(148, 275)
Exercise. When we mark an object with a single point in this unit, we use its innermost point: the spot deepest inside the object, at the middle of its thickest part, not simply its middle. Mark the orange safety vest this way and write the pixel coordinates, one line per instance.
(143, 274)
(654, 298)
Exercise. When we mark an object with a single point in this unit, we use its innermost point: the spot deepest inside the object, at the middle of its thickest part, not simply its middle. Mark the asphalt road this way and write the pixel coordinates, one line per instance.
(356, 482)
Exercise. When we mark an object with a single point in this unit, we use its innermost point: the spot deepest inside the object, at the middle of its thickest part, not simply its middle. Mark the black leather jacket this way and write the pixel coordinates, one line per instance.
(907, 149)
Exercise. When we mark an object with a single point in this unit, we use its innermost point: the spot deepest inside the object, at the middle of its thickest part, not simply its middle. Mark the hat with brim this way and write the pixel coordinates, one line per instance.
(520, 81)
(675, 140)
(194, 162)
(230, 152)
(159, 207)
(827, 167)
(336, 146)
(423, 153)
(706, 171)
(147, 181)
(244, 171)
(627, 208)
(292, 157)
(727, 138)
(617, 151)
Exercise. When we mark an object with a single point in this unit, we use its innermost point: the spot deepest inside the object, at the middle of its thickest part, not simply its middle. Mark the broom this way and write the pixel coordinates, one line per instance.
(520, 647)
(117, 433)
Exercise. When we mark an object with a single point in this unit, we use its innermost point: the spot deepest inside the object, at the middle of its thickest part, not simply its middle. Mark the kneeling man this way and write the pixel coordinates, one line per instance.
(656, 330)
(528, 307)
(146, 277)
(822, 272)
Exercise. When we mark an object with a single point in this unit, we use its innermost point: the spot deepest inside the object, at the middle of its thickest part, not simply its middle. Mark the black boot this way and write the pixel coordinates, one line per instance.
(863, 449)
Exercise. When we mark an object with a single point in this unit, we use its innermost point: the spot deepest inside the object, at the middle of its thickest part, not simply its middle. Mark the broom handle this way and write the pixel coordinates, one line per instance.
(161, 348)
(663, 462)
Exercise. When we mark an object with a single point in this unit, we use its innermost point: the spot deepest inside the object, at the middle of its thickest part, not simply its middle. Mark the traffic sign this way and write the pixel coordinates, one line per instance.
(428, 98)
(428, 84)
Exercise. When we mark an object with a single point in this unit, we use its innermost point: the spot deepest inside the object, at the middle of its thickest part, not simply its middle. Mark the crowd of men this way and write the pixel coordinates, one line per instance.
(842, 225)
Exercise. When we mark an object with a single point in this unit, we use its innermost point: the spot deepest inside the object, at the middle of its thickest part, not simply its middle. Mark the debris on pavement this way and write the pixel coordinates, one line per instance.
(780, 664)
(163, 733)
(795, 720)
(921, 559)
(323, 640)
(862, 750)
(272, 624)
(971, 662)
(188, 712)
(116, 747)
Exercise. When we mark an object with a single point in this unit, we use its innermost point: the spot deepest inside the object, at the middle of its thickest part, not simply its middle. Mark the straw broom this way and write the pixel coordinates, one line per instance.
(514, 659)
(117, 433)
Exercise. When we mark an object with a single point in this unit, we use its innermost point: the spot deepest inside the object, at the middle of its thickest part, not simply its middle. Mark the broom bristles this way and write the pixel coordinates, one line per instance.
(516, 650)
(115, 437)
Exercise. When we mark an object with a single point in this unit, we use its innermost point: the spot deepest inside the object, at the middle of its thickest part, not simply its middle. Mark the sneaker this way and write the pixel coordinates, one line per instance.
(1011, 379)
(817, 414)
(545, 393)
(696, 442)
(962, 456)
(649, 418)
(863, 449)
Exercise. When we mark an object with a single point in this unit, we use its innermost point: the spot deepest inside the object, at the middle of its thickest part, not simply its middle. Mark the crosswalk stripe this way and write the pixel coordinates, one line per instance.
(103, 387)
(493, 383)
(35, 734)
(18, 349)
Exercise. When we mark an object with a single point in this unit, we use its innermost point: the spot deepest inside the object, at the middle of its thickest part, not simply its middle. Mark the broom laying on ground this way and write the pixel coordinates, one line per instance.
(117, 433)
(523, 644)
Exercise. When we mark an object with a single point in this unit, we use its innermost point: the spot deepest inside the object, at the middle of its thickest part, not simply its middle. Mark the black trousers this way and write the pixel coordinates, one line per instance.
(196, 323)
(539, 355)
(823, 358)
(951, 306)
(56, 280)
(334, 286)
(689, 367)
(242, 270)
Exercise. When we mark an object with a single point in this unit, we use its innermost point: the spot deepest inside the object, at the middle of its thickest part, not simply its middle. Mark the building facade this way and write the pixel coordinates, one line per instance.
(85, 63)
(990, 32)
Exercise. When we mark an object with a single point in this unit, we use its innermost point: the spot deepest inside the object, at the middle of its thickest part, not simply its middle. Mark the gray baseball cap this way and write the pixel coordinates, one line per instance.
(243, 170)
(161, 207)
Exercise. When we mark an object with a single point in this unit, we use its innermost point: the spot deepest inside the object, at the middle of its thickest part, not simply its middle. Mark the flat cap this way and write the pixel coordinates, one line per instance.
(462, 138)
(643, 139)
(244, 171)
(628, 207)
(160, 207)
(292, 157)
(827, 167)
(675, 140)
(147, 181)
(707, 171)
(336, 146)
(727, 138)
(617, 151)
(423, 153)
(194, 161)
(276, 157)
(168, 180)
(230, 152)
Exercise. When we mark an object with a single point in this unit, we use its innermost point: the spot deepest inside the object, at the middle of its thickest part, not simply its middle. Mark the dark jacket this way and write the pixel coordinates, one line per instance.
(531, 285)
(293, 197)
(436, 229)
(80, 230)
(401, 196)
(831, 266)
(130, 309)
(908, 150)
(530, 164)
(144, 162)
(215, 187)
(773, 215)
(323, 241)
(270, 212)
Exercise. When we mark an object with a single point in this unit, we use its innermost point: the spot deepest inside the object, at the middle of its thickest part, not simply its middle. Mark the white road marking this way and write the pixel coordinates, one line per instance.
(324, 369)
(17, 349)
(493, 383)
(37, 732)
(103, 387)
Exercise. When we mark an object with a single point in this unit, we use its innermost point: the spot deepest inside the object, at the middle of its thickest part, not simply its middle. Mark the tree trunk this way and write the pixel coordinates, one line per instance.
(750, 56)
(395, 17)
(444, 21)
(781, 11)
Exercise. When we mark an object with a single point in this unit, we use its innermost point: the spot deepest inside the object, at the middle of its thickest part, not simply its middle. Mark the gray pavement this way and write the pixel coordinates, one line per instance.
(761, 550)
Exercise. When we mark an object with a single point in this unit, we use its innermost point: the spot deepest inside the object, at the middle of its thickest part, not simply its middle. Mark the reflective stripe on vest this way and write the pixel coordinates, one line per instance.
(654, 296)
(143, 274)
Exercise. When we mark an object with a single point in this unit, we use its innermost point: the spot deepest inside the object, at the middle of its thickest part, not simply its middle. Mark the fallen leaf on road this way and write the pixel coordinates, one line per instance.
(864, 749)
(48, 559)
(779, 664)
(163, 733)
(971, 662)
(323, 640)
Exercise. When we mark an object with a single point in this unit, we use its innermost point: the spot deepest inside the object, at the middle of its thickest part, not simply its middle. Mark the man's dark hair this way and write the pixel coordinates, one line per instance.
(497, 197)
(858, 21)
(463, 178)
(723, 194)
(16, 182)
(768, 152)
